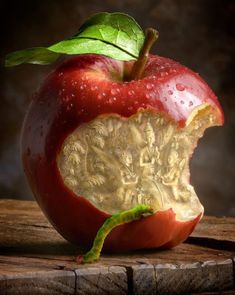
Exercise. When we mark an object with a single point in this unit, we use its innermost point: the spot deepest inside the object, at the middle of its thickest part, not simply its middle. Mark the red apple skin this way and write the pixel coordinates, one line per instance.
(79, 90)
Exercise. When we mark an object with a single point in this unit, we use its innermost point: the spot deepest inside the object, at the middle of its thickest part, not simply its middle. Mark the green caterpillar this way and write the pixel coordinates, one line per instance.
(110, 223)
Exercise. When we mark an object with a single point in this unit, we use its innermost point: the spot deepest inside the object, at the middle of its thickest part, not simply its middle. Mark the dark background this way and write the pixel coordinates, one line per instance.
(197, 33)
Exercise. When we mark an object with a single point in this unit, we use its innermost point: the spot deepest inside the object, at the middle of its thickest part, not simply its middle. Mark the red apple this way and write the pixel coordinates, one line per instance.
(94, 144)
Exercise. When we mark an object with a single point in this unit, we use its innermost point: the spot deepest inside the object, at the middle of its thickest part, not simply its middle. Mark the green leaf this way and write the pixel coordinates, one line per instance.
(82, 46)
(35, 55)
(117, 28)
(115, 35)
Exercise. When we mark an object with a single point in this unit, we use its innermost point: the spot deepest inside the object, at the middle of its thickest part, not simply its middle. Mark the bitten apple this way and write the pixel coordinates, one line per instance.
(93, 145)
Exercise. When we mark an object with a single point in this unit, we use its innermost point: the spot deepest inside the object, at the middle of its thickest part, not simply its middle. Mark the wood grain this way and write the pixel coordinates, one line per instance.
(102, 280)
(144, 279)
(34, 258)
(195, 277)
(52, 282)
(217, 228)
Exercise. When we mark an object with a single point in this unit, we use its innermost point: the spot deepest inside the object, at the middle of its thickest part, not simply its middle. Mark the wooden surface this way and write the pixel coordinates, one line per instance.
(35, 259)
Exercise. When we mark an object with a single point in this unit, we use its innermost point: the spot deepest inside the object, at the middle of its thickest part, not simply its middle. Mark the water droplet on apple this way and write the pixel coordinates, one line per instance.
(66, 98)
(61, 74)
(114, 98)
(113, 91)
(61, 91)
(130, 108)
(149, 86)
(190, 103)
(131, 92)
(93, 88)
(73, 95)
(81, 87)
(172, 70)
(147, 95)
(74, 83)
(170, 92)
(163, 74)
(180, 87)
(100, 96)
(69, 107)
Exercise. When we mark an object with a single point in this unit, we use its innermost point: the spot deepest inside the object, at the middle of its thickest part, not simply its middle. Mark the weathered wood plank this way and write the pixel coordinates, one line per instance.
(33, 254)
(144, 279)
(52, 282)
(214, 232)
(102, 280)
(196, 277)
(218, 228)
(22, 222)
(182, 254)
(16, 264)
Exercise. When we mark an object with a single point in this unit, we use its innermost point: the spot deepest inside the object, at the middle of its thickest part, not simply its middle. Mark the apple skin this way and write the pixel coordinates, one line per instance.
(79, 90)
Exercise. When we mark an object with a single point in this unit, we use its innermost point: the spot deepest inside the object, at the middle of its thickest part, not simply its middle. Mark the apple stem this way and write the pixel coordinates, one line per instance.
(110, 223)
(151, 36)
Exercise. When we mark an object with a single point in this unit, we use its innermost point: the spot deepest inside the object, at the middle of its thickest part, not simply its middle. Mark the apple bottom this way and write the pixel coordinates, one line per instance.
(78, 221)
(160, 230)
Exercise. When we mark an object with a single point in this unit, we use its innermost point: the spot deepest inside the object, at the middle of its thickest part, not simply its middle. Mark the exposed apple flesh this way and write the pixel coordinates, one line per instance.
(118, 163)
(91, 89)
